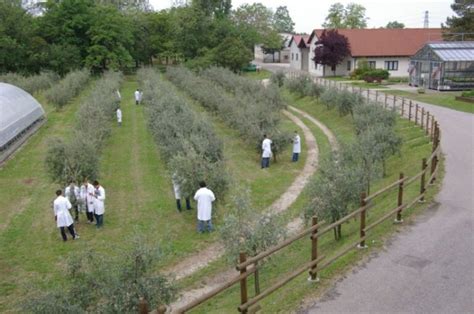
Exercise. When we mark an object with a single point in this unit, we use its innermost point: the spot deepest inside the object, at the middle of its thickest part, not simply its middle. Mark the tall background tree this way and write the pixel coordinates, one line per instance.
(282, 21)
(331, 49)
(395, 24)
(461, 26)
(350, 16)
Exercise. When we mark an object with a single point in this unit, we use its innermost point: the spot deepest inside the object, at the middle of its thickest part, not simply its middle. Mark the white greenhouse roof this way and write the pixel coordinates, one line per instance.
(18, 111)
(454, 50)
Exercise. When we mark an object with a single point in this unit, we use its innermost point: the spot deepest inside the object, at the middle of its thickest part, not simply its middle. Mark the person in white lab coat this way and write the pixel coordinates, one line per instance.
(177, 194)
(296, 147)
(138, 97)
(204, 198)
(266, 151)
(87, 190)
(99, 206)
(119, 116)
(73, 195)
(63, 218)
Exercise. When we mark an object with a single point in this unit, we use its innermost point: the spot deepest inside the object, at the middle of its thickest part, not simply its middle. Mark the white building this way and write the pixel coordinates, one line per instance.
(299, 52)
(282, 56)
(383, 48)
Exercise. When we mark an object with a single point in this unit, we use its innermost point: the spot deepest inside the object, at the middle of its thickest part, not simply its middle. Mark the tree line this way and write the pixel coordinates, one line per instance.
(119, 35)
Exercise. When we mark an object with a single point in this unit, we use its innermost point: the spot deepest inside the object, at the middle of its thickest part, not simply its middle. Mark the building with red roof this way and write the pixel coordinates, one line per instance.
(383, 48)
(299, 52)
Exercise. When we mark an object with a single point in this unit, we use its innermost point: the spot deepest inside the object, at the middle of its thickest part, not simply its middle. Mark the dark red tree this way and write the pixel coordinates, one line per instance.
(331, 49)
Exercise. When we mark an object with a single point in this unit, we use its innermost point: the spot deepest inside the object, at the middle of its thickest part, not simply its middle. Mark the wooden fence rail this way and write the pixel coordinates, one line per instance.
(250, 266)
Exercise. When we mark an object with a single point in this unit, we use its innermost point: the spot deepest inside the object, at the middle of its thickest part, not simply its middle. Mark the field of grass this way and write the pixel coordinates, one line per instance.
(139, 198)
(443, 99)
(260, 75)
(289, 298)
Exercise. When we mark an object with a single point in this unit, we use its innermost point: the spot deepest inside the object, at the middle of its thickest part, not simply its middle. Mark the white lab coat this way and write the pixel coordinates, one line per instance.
(67, 193)
(86, 190)
(267, 148)
(176, 189)
(297, 144)
(204, 198)
(137, 96)
(119, 115)
(61, 206)
(99, 198)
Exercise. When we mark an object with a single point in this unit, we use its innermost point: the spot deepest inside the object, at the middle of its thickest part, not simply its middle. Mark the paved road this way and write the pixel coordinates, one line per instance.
(428, 268)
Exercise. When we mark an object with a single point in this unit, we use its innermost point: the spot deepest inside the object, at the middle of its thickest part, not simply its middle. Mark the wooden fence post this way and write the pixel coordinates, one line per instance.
(422, 118)
(360, 91)
(243, 281)
(394, 101)
(400, 199)
(427, 123)
(409, 110)
(385, 101)
(422, 180)
(314, 250)
(142, 306)
(161, 309)
(403, 106)
(434, 160)
(432, 127)
(362, 245)
(376, 95)
(416, 114)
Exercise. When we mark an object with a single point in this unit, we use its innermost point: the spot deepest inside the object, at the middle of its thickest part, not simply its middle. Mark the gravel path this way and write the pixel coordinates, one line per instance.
(283, 203)
(428, 268)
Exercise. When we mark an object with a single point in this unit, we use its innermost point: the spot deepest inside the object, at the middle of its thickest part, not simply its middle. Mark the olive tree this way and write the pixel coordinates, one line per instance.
(245, 230)
(106, 284)
(335, 191)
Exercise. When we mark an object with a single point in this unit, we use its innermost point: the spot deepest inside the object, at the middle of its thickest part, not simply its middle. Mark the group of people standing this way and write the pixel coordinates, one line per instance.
(267, 149)
(89, 198)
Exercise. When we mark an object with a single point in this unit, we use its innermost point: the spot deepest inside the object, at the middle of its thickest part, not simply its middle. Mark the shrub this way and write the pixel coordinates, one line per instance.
(99, 284)
(278, 78)
(376, 75)
(62, 92)
(468, 93)
(245, 230)
(31, 84)
(329, 98)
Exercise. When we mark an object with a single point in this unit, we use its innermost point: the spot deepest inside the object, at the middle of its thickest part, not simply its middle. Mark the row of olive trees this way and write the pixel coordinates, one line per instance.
(31, 84)
(95, 283)
(78, 157)
(186, 139)
(267, 99)
(243, 110)
(336, 190)
(69, 87)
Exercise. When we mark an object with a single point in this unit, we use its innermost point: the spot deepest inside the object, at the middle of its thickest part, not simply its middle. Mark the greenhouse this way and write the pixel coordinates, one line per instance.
(443, 66)
(20, 116)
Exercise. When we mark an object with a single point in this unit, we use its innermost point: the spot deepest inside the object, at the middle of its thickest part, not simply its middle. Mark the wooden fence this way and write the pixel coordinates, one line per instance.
(426, 176)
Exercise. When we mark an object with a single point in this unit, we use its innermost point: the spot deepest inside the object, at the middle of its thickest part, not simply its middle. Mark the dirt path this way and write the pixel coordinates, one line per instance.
(194, 263)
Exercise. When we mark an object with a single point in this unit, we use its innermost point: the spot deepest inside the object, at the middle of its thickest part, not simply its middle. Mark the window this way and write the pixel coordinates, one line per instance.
(333, 68)
(292, 56)
(296, 57)
(349, 65)
(391, 65)
(371, 64)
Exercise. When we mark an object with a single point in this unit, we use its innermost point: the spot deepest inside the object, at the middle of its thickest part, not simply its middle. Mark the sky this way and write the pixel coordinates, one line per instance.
(310, 14)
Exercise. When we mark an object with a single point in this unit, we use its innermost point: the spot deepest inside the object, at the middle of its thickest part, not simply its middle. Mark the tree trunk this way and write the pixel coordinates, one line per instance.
(339, 232)
(384, 170)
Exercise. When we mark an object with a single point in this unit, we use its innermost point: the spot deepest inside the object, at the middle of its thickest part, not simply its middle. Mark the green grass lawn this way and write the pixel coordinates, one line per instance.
(444, 99)
(260, 75)
(288, 298)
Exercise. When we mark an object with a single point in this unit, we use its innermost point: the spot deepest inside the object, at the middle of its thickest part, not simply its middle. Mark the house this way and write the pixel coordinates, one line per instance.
(283, 56)
(383, 48)
(299, 52)
(444, 66)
